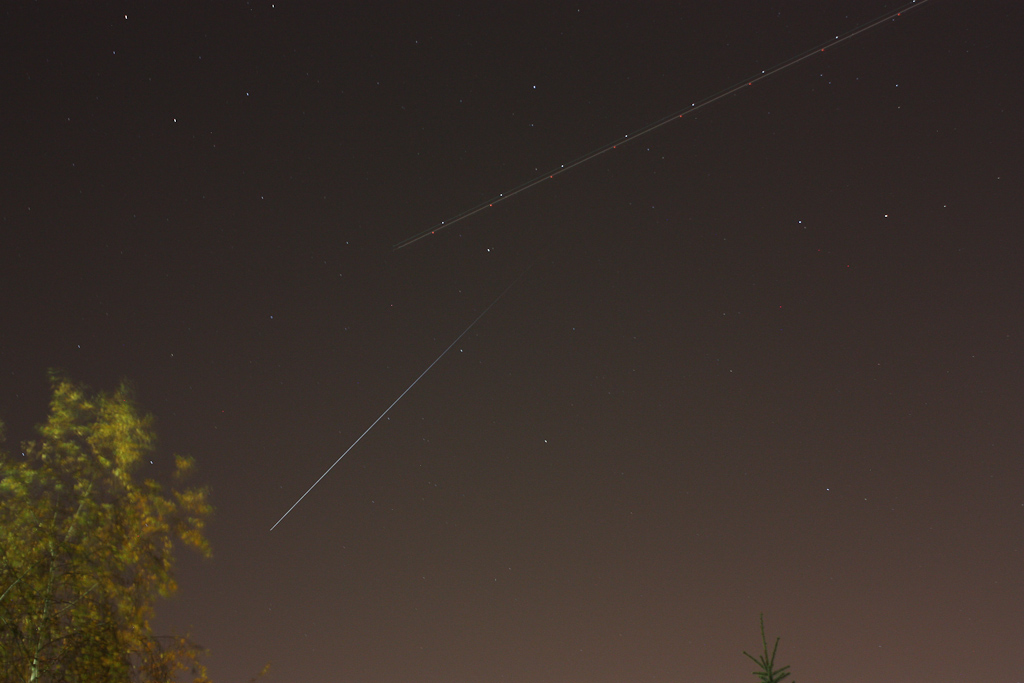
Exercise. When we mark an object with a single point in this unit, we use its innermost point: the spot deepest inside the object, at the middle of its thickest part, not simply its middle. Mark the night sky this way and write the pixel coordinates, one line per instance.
(768, 358)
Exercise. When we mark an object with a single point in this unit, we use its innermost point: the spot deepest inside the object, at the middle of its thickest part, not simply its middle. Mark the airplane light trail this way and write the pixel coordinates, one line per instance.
(582, 160)
(892, 14)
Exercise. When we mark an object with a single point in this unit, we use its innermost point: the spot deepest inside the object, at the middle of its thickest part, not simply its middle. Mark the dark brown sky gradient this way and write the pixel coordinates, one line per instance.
(769, 358)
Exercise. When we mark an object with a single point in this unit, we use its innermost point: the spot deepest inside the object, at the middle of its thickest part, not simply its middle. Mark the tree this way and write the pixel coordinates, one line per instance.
(766, 662)
(86, 547)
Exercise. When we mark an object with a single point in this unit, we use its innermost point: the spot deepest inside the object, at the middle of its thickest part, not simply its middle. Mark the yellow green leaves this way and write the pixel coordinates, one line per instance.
(86, 546)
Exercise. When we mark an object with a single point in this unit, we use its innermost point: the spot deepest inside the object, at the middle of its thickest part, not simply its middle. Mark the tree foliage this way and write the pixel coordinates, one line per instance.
(766, 670)
(87, 546)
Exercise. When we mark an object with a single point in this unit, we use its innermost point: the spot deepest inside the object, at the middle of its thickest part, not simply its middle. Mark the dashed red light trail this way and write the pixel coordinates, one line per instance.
(782, 66)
